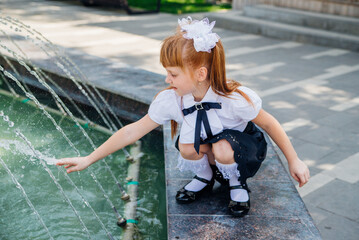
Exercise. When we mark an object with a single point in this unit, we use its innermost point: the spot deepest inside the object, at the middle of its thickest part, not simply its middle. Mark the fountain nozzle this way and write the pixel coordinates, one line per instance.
(121, 222)
(125, 197)
(129, 158)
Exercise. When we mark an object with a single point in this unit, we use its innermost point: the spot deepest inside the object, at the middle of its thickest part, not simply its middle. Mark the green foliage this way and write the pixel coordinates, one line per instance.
(179, 6)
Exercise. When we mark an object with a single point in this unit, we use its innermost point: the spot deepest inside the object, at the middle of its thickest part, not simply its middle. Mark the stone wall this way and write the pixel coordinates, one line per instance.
(349, 8)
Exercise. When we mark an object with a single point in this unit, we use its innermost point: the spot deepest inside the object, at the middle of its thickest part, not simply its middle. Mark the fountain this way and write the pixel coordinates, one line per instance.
(77, 191)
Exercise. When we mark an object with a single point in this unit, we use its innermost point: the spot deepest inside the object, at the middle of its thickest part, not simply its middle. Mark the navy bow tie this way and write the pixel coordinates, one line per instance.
(201, 117)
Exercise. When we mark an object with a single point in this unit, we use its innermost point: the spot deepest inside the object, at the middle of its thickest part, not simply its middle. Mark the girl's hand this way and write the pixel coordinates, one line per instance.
(74, 164)
(299, 171)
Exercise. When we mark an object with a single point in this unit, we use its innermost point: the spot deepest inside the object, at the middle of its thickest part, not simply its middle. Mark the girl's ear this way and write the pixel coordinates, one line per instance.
(202, 74)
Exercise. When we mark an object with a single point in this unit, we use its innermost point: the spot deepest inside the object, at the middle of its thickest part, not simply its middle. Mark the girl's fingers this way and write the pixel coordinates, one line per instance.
(71, 164)
(295, 177)
(304, 179)
(62, 162)
(299, 178)
(70, 170)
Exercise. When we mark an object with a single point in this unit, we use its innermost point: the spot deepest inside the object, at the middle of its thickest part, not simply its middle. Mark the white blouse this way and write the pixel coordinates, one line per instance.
(235, 113)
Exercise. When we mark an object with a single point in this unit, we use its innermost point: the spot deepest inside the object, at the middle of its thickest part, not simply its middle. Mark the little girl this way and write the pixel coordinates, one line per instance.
(218, 137)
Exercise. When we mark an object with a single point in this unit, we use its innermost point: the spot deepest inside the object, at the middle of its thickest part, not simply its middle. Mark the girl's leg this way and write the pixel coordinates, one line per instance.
(197, 163)
(224, 156)
(188, 152)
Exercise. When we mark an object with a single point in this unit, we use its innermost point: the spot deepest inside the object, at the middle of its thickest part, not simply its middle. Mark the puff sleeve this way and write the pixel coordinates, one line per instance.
(244, 110)
(164, 107)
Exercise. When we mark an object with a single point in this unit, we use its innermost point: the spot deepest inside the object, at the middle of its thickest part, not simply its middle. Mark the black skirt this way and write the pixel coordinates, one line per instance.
(249, 146)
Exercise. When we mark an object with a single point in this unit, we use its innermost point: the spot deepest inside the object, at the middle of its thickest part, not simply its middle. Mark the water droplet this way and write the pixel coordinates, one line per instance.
(6, 118)
(11, 124)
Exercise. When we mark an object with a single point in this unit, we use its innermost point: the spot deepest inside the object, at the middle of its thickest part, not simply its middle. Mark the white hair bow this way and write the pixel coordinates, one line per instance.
(201, 33)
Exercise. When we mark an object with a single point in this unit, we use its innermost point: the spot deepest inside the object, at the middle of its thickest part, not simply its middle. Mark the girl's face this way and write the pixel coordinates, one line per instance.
(180, 80)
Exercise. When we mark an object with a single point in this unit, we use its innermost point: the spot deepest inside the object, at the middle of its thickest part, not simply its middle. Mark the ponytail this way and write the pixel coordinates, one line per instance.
(174, 126)
(217, 78)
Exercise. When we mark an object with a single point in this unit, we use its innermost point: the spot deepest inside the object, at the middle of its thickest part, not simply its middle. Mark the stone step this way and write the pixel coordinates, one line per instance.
(236, 21)
(322, 21)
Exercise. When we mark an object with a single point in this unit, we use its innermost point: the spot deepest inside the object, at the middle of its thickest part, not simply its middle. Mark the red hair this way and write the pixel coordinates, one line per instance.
(177, 51)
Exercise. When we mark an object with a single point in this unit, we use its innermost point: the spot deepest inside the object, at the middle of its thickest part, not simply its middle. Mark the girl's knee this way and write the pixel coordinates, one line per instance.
(188, 152)
(223, 152)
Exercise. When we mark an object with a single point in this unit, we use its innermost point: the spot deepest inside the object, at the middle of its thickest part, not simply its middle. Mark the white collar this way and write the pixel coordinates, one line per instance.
(211, 96)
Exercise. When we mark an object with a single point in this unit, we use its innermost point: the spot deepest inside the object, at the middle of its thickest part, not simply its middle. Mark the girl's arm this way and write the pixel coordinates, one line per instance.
(123, 137)
(297, 168)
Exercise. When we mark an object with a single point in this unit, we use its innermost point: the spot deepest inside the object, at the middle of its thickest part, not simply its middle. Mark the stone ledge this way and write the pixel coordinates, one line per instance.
(277, 210)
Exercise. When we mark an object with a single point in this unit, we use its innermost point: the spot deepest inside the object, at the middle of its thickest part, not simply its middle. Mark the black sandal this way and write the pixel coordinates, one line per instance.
(239, 209)
(186, 196)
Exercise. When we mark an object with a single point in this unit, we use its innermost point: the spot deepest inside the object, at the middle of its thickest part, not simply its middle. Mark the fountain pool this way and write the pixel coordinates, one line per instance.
(17, 218)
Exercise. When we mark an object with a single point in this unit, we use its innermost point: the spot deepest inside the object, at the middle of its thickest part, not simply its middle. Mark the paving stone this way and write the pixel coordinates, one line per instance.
(332, 226)
(310, 151)
(280, 107)
(336, 156)
(345, 82)
(339, 120)
(296, 142)
(327, 136)
(353, 110)
(352, 127)
(334, 196)
(250, 227)
(317, 213)
(338, 227)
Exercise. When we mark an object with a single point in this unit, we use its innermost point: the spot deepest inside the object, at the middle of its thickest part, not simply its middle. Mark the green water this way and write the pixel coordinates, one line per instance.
(17, 221)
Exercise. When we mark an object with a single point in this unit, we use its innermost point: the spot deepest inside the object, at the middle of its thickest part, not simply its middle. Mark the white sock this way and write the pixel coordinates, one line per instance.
(238, 195)
(231, 172)
(199, 167)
